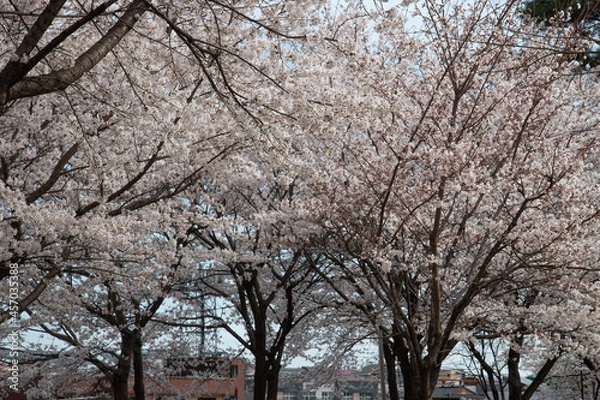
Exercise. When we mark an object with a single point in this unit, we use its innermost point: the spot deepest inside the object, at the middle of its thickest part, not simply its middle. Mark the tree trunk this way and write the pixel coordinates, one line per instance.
(120, 388)
(429, 380)
(138, 368)
(120, 379)
(273, 382)
(515, 387)
(420, 388)
(260, 376)
(420, 378)
(410, 372)
(390, 362)
(402, 355)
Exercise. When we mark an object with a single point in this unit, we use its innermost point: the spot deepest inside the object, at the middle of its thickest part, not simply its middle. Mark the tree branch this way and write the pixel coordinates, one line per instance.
(81, 211)
(56, 173)
(33, 295)
(16, 69)
(61, 79)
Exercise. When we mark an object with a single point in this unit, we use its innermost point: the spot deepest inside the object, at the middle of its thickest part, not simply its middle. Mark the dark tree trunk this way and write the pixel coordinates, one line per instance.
(515, 387)
(138, 368)
(420, 378)
(120, 379)
(266, 377)
(390, 362)
(273, 382)
(260, 376)
(403, 357)
(410, 372)
(120, 388)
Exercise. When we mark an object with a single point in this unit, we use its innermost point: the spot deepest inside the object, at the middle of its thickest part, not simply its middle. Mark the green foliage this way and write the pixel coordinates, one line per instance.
(581, 12)
(584, 15)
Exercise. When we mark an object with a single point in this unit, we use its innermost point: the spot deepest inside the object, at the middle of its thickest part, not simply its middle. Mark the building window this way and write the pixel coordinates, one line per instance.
(233, 371)
(348, 396)
(325, 395)
(289, 396)
(366, 396)
(309, 396)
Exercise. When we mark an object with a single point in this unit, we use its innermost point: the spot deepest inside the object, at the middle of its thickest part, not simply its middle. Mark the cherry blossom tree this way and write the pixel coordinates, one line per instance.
(109, 320)
(447, 166)
(114, 118)
(536, 327)
(425, 178)
(45, 52)
(258, 271)
(113, 107)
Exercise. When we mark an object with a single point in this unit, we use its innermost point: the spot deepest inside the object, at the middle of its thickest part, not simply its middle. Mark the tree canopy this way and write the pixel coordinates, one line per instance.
(295, 160)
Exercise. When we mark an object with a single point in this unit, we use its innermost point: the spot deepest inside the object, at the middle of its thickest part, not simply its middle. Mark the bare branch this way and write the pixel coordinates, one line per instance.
(61, 79)
(56, 173)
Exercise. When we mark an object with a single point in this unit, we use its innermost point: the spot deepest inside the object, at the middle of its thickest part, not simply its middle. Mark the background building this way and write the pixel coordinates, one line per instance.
(301, 384)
